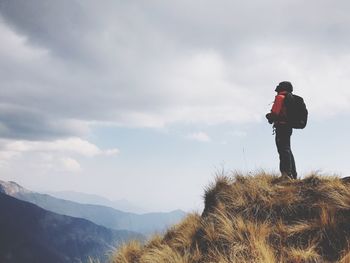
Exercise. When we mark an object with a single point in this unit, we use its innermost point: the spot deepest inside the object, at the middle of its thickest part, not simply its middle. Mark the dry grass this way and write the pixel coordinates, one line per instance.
(258, 218)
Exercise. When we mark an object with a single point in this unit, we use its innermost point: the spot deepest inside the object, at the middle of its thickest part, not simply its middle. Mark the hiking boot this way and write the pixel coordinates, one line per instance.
(286, 176)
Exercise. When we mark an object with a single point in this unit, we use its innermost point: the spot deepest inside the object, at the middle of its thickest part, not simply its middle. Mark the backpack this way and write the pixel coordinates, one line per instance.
(296, 111)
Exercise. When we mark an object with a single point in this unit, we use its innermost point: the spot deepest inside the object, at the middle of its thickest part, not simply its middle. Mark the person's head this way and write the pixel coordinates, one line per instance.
(284, 86)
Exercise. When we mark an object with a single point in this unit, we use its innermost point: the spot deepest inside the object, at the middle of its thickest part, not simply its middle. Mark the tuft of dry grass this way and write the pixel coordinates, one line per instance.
(128, 253)
(255, 219)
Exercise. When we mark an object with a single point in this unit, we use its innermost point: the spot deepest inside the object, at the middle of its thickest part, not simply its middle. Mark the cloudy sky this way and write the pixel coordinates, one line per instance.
(148, 100)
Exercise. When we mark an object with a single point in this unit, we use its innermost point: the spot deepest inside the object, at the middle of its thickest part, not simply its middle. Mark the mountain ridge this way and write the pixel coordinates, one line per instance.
(146, 224)
(32, 234)
(93, 199)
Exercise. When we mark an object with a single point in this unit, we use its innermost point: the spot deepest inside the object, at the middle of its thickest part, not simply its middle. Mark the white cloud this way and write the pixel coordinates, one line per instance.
(70, 164)
(7, 155)
(51, 155)
(238, 133)
(111, 152)
(199, 136)
(70, 145)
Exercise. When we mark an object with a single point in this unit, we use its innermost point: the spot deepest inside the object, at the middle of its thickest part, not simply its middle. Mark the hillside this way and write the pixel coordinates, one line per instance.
(259, 218)
(31, 234)
(146, 224)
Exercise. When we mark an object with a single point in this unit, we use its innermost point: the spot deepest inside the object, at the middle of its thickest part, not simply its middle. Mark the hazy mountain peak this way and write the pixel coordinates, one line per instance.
(12, 188)
(85, 198)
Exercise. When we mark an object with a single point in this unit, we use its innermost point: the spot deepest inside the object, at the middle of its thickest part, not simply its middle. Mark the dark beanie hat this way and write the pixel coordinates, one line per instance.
(284, 86)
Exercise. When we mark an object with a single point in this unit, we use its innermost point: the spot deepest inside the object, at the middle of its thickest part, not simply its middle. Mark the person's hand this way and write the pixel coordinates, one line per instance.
(269, 117)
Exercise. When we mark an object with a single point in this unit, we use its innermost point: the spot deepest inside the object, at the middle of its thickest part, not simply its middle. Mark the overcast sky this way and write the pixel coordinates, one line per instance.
(147, 100)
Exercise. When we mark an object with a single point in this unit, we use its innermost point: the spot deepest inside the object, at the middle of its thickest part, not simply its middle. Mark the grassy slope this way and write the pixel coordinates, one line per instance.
(257, 218)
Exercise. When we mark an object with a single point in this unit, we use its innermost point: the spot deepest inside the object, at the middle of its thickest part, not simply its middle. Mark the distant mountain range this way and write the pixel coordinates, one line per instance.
(31, 234)
(83, 198)
(106, 216)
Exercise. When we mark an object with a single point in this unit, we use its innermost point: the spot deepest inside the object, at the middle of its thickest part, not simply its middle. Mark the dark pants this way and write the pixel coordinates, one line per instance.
(287, 163)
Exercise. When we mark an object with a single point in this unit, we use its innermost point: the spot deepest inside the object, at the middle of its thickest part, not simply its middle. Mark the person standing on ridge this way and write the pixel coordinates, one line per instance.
(283, 129)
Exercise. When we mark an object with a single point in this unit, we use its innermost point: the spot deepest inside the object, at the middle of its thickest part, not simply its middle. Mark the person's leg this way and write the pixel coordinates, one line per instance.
(283, 134)
(293, 167)
(294, 170)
